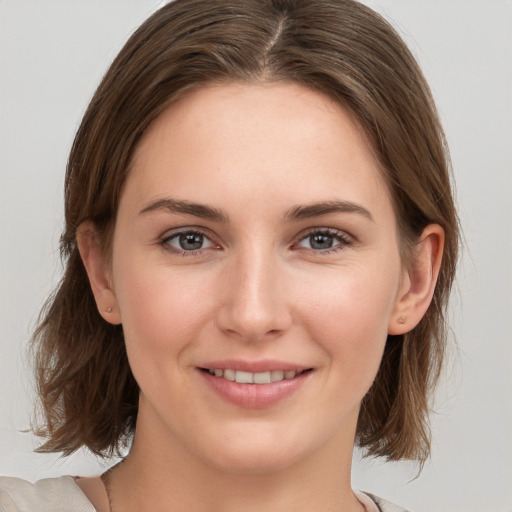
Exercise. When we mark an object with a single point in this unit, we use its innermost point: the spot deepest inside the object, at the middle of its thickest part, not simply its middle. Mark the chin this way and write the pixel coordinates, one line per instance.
(254, 462)
(256, 453)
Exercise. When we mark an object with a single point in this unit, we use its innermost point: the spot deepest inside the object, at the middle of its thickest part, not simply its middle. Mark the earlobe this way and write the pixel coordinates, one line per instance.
(95, 263)
(416, 294)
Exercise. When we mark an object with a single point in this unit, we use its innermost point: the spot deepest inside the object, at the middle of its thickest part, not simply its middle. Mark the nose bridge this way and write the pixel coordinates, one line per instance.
(255, 305)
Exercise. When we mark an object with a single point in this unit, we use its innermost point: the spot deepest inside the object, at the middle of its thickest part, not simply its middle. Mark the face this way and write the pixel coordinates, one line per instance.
(256, 271)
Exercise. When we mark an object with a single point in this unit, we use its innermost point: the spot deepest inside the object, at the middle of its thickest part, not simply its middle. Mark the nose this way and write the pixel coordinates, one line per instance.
(254, 305)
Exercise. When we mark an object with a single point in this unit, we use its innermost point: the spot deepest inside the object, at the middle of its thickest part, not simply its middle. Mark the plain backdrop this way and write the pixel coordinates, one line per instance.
(53, 54)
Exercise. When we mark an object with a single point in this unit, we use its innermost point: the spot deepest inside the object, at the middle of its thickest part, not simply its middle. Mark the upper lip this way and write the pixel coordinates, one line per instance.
(264, 365)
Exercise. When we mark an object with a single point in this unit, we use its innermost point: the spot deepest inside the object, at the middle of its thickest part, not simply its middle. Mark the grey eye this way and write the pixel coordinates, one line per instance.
(189, 241)
(321, 241)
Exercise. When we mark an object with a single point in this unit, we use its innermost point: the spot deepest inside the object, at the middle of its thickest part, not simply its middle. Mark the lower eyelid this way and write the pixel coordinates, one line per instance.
(164, 242)
(342, 238)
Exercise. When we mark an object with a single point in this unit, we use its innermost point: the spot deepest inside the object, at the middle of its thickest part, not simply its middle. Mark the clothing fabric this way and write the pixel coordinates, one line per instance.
(63, 495)
(48, 495)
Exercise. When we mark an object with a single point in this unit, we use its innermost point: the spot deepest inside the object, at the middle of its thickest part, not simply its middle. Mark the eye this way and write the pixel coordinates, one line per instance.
(324, 240)
(187, 241)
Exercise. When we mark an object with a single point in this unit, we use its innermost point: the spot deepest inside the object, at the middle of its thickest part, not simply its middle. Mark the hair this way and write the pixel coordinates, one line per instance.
(340, 48)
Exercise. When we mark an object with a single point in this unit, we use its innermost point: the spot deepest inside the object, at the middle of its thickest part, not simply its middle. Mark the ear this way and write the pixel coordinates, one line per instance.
(98, 271)
(417, 288)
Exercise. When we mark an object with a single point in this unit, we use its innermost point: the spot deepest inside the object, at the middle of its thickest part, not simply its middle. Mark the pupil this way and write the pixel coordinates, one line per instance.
(191, 241)
(321, 241)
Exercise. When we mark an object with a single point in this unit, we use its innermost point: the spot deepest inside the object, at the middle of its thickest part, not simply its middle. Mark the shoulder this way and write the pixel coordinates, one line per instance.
(373, 503)
(48, 495)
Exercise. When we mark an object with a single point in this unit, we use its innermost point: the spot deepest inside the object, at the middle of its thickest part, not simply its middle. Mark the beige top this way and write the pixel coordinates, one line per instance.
(63, 495)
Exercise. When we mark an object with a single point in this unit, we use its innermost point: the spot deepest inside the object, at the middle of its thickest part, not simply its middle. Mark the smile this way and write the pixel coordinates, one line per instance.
(254, 389)
(243, 377)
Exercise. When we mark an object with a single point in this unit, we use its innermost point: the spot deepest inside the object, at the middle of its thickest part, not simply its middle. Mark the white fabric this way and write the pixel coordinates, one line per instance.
(375, 504)
(48, 495)
(63, 495)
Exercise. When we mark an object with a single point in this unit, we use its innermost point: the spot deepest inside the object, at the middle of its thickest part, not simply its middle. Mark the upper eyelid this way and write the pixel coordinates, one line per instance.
(170, 233)
(164, 239)
(324, 229)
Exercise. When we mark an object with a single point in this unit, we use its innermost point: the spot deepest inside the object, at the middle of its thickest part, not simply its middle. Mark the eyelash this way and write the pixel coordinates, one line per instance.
(164, 242)
(342, 238)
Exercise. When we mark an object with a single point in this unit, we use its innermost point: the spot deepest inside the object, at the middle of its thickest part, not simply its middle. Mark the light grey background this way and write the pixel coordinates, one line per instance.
(52, 55)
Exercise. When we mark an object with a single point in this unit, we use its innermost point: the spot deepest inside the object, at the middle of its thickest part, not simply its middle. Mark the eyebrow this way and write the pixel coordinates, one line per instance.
(188, 208)
(296, 213)
(326, 207)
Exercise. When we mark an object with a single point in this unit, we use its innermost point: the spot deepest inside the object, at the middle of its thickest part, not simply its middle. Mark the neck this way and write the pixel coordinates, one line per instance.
(169, 478)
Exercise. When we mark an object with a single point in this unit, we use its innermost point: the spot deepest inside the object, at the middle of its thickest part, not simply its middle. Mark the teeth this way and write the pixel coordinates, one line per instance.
(262, 378)
(244, 377)
(253, 378)
(276, 375)
(229, 374)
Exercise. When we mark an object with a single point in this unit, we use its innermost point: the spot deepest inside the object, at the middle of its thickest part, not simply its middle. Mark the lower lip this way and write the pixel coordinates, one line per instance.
(254, 396)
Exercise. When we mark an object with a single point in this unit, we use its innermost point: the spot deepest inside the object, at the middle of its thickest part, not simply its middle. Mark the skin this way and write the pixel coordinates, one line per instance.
(259, 288)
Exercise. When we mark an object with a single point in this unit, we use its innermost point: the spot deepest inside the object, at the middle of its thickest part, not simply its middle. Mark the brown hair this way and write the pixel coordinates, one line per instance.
(337, 47)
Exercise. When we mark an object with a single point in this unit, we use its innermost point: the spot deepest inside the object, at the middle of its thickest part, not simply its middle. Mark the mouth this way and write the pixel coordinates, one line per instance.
(244, 377)
(254, 385)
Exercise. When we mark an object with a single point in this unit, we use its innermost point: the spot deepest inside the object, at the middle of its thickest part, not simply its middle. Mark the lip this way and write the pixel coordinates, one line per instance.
(253, 396)
(263, 365)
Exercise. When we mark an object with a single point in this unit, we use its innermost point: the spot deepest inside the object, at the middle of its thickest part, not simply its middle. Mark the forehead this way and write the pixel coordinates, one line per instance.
(278, 140)
(270, 106)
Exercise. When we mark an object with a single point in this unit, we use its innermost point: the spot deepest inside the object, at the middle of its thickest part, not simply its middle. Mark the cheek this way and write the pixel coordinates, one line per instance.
(349, 320)
(161, 310)
(162, 315)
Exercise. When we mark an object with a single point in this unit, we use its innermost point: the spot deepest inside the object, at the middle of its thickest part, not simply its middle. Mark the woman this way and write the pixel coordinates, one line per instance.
(260, 242)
